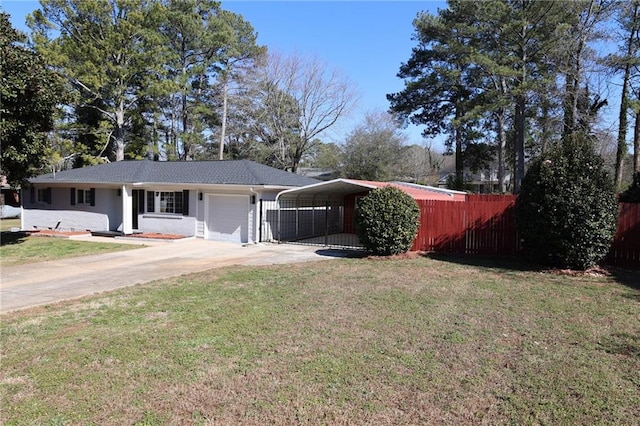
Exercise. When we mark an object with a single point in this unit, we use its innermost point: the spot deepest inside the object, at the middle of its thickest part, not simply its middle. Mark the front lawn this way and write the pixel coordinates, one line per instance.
(17, 248)
(8, 224)
(355, 341)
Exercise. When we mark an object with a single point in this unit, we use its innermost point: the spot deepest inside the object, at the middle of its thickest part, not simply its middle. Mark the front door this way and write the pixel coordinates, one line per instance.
(137, 206)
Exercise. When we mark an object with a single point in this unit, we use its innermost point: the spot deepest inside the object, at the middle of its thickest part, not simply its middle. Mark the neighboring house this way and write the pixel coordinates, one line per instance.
(9, 200)
(216, 200)
(482, 182)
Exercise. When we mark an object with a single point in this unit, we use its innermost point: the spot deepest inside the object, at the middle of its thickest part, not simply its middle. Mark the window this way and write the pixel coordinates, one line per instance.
(42, 195)
(168, 202)
(171, 202)
(85, 197)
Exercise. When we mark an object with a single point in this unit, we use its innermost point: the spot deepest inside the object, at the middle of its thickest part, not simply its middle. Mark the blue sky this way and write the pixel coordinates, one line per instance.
(366, 40)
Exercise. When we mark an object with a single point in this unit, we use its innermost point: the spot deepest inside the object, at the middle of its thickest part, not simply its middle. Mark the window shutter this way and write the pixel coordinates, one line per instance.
(185, 202)
(32, 194)
(141, 202)
(93, 196)
(151, 201)
(73, 196)
(47, 195)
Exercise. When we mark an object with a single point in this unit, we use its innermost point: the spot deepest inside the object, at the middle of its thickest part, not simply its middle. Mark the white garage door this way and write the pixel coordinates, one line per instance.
(228, 218)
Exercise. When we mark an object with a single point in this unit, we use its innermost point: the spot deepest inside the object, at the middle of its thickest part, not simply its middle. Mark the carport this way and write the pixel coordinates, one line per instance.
(324, 213)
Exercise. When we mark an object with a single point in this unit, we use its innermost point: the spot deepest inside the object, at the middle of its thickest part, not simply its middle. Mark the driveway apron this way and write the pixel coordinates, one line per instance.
(49, 282)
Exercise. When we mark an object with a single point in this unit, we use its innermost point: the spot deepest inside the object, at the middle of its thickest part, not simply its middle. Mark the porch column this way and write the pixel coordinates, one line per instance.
(127, 209)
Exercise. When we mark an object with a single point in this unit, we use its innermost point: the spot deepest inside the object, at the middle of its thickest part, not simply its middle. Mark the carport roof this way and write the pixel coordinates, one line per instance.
(230, 172)
(338, 188)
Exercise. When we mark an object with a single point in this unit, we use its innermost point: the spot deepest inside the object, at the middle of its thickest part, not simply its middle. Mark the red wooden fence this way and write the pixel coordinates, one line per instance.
(485, 224)
(625, 249)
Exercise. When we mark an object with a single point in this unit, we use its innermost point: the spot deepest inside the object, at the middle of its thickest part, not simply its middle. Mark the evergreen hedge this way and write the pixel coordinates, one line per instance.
(566, 211)
(387, 221)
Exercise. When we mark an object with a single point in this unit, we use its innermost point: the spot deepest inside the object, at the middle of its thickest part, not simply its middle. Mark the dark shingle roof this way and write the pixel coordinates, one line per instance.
(231, 172)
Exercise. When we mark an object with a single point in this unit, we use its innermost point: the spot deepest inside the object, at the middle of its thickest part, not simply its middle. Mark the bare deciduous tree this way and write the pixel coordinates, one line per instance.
(301, 99)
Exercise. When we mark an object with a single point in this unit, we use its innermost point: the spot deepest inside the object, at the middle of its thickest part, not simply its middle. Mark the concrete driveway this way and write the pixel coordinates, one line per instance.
(49, 282)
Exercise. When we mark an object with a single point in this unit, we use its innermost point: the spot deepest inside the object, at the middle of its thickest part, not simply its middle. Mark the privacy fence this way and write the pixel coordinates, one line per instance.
(625, 249)
(483, 224)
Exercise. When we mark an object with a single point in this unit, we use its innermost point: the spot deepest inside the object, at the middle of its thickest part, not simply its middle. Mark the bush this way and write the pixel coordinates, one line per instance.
(632, 193)
(566, 212)
(387, 221)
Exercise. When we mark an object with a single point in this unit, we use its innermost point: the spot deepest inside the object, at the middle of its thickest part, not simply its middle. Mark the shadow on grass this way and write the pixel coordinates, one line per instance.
(628, 277)
(622, 344)
(9, 238)
(511, 263)
(342, 253)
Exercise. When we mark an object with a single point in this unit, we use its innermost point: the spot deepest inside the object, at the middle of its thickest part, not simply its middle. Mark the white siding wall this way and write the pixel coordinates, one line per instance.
(170, 223)
(107, 214)
(167, 224)
(111, 200)
(72, 217)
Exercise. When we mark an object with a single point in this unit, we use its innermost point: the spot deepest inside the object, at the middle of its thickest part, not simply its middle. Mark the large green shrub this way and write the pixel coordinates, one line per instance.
(566, 211)
(632, 193)
(387, 221)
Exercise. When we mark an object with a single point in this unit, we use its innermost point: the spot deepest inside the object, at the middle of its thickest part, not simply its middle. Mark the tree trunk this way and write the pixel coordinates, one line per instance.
(118, 133)
(621, 151)
(502, 144)
(459, 184)
(519, 143)
(223, 128)
(519, 118)
(636, 144)
(185, 125)
(570, 105)
(156, 139)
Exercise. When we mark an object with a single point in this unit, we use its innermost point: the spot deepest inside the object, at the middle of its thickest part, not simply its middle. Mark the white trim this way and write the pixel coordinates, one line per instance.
(430, 188)
(327, 183)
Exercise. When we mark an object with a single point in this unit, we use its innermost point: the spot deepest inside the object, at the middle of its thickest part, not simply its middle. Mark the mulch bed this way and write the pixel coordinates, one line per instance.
(595, 271)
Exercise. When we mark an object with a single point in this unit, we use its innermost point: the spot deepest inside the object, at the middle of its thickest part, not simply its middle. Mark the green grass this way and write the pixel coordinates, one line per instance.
(17, 248)
(419, 341)
(7, 224)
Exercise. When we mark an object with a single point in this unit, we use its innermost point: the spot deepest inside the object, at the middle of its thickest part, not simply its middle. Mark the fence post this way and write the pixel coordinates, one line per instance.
(326, 223)
(260, 223)
(278, 222)
(297, 220)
